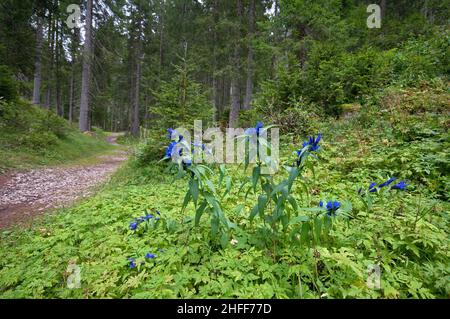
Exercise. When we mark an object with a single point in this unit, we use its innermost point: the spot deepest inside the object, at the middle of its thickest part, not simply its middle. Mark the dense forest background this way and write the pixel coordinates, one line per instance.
(157, 63)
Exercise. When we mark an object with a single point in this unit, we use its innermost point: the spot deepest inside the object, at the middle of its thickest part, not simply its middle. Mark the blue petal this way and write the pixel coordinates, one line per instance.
(389, 181)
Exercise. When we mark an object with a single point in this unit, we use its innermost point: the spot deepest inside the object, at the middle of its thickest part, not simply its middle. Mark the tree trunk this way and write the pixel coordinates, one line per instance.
(37, 62)
(161, 40)
(50, 62)
(58, 44)
(235, 75)
(383, 8)
(71, 89)
(137, 84)
(86, 73)
(251, 30)
(75, 38)
(214, 70)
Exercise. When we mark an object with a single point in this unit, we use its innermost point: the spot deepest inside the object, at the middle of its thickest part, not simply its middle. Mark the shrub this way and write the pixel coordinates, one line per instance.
(8, 86)
(149, 151)
(38, 140)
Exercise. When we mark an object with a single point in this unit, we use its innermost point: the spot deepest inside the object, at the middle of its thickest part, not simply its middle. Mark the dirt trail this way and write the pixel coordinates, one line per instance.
(24, 195)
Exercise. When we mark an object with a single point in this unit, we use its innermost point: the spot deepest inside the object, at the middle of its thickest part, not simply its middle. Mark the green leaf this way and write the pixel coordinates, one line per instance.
(305, 233)
(199, 212)
(214, 225)
(222, 173)
(293, 203)
(259, 207)
(227, 185)
(194, 190)
(224, 240)
(186, 200)
(292, 176)
(318, 227)
(299, 219)
(210, 185)
(282, 187)
(255, 176)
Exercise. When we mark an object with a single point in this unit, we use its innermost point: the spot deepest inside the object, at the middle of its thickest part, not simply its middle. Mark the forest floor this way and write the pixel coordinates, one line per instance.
(26, 194)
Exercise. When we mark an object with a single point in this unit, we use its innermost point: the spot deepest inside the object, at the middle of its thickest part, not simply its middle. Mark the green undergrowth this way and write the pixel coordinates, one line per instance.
(402, 134)
(30, 136)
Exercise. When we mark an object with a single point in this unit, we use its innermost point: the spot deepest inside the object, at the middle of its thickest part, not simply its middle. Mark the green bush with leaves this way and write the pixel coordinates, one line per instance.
(8, 86)
(181, 101)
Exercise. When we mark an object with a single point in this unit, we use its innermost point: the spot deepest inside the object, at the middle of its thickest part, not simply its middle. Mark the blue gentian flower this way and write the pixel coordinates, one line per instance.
(331, 207)
(158, 212)
(171, 132)
(132, 263)
(388, 182)
(258, 127)
(150, 256)
(169, 148)
(312, 145)
(252, 131)
(315, 142)
(372, 187)
(400, 186)
(133, 225)
(147, 217)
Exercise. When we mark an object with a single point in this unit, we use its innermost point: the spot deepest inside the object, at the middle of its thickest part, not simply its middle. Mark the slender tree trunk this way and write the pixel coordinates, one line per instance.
(161, 40)
(58, 43)
(50, 62)
(37, 62)
(235, 75)
(86, 73)
(216, 111)
(135, 122)
(251, 31)
(137, 84)
(383, 7)
(71, 89)
(73, 48)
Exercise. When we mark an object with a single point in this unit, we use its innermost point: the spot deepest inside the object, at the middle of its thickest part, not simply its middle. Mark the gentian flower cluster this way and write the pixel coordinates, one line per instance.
(331, 207)
(373, 186)
(400, 186)
(257, 130)
(312, 145)
(173, 134)
(132, 261)
(135, 223)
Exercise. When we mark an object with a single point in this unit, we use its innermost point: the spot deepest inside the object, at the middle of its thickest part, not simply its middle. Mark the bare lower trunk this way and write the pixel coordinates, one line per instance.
(59, 106)
(37, 63)
(235, 75)
(135, 119)
(249, 85)
(86, 74)
(71, 95)
(235, 102)
(383, 8)
(137, 84)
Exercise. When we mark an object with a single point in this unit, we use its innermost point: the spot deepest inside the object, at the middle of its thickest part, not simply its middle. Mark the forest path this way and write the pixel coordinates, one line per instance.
(24, 195)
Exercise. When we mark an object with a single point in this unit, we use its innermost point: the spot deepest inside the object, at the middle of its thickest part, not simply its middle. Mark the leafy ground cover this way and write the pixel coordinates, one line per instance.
(132, 240)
